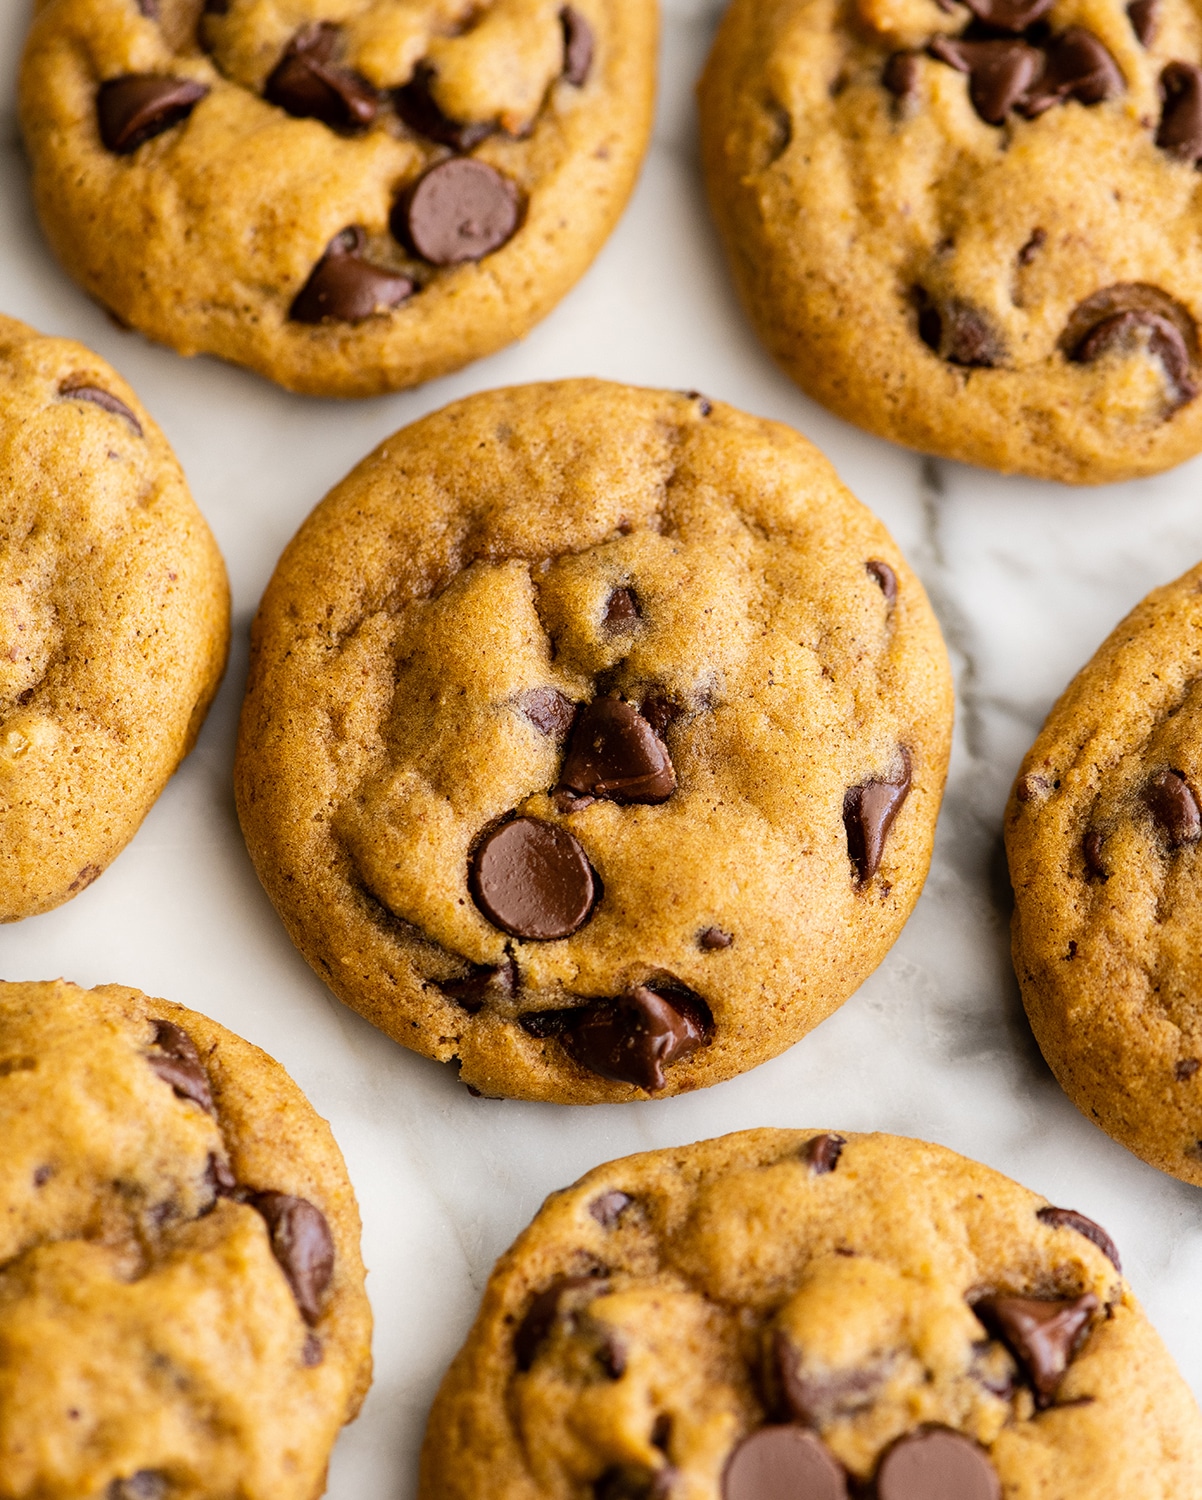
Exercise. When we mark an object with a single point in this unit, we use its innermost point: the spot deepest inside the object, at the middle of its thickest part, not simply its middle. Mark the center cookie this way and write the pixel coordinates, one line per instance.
(594, 738)
(349, 196)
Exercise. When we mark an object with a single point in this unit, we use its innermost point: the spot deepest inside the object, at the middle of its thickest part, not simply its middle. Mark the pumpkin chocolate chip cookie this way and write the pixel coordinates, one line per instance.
(348, 196)
(783, 1315)
(114, 624)
(182, 1312)
(971, 227)
(1104, 837)
(594, 739)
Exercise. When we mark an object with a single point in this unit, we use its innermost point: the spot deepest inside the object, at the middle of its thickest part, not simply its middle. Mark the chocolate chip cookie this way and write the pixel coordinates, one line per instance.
(594, 738)
(182, 1313)
(114, 618)
(784, 1315)
(971, 227)
(348, 196)
(1103, 832)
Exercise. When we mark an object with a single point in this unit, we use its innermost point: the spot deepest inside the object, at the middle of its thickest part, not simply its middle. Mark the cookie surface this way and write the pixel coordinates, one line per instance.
(182, 1313)
(1102, 834)
(115, 623)
(348, 196)
(972, 228)
(792, 1313)
(594, 737)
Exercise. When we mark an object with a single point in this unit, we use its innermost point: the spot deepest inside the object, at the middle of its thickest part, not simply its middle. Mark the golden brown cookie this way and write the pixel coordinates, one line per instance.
(784, 1313)
(182, 1313)
(972, 227)
(114, 621)
(1102, 833)
(594, 738)
(349, 196)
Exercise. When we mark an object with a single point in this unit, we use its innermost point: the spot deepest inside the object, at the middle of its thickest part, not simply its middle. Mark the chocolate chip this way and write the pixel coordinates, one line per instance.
(1174, 806)
(533, 880)
(622, 610)
(484, 983)
(611, 1356)
(311, 86)
(42, 1175)
(1077, 65)
(626, 1483)
(569, 802)
(1009, 15)
(958, 332)
(823, 1153)
(1144, 16)
(937, 1464)
(609, 1207)
(541, 1315)
(547, 1023)
(660, 712)
(1069, 1218)
(550, 711)
(999, 74)
(344, 288)
(1033, 246)
(1180, 132)
(1128, 316)
(302, 1243)
(1042, 1334)
(313, 1353)
(220, 1178)
(884, 576)
(137, 106)
(818, 1399)
(902, 74)
(460, 210)
(1183, 1072)
(1031, 786)
(178, 1063)
(704, 405)
(869, 811)
(415, 105)
(713, 939)
(78, 390)
(149, 8)
(577, 46)
(783, 1463)
(634, 1038)
(615, 753)
(661, 1432)
(1091, 847)
(146, 1484)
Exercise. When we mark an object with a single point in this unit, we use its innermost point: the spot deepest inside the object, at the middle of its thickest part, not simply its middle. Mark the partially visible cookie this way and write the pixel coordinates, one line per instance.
(972, 227)
(114, 618)
(1103, 835)
(812, 1316)
(594, 739)
(182, 1312)
(350, 197)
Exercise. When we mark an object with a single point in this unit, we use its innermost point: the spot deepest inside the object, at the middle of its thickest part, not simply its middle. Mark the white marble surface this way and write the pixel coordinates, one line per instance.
(1027, 578)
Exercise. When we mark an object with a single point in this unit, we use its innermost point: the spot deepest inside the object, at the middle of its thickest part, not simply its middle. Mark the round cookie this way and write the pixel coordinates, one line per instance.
(348, 196)
(1102, 834)
(115, 618)
(972, 227)
(788, 1314)
(594, 738)
(182, 1312)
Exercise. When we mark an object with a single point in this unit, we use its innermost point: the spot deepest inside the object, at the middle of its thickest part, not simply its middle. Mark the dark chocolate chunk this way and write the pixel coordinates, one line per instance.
(77, 390)
(302, 1243)
(622, 610)
(1131, 315)
(615, 753)
(816, 1400)
(134, 108)
(999, 74)
(1174, 806)
(1180, 131)
(609, 1207)
(626, 1483)
(823, 1153)
(1069, 1218)
(482, 984)
(178, 1063)
(1009, 15)
(1091, 847)
(345, 288)
(869, 811)
(937, 1464)
(533, 880)
(660, 712)
(783, 1463)
(577, 46)
(1034, 245)
(415, 105)
(460, 210)
(1042, 1334)
(541, 1315)
(550, 711)
(146, 1484)
(884, 576)
(713, 939)
(1183, 1071)
(310, 85)
(634, 1038)
(1076, 66)
(901, 75)
(958, 332)
(1144, 16)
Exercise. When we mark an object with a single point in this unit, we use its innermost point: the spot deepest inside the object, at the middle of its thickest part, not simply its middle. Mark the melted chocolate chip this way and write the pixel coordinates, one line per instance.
(483, 984)
(1069, 1218)
(134, 108)
(1175, 808)
(937, 1464)
(660, 712)
(823, 1153)
(1091, 847)
(550, 711)
(345, 288)
(1009, 15)
(146, 1484)
(869, 811)
(634, 1038)
(541, 1315)
(1076, 66)
(178, 1063)
(902, 74)
(609, 1207)
(713, 939)
(615, 753)
(1180, 131)
(622, 610)
(310, 85)
(220, 1178)
(1131, 315)
(999, 74)
(816, 1400)
(415, 105)
(72, 390)
(958, 332)
(460, 210)
(302, 1244)
(1144, 16)
(783, 1463)
(577, 46)
(625, 1483)
(1043, 1335)
(885, 578)
(533, 880)
(1183, 1071)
